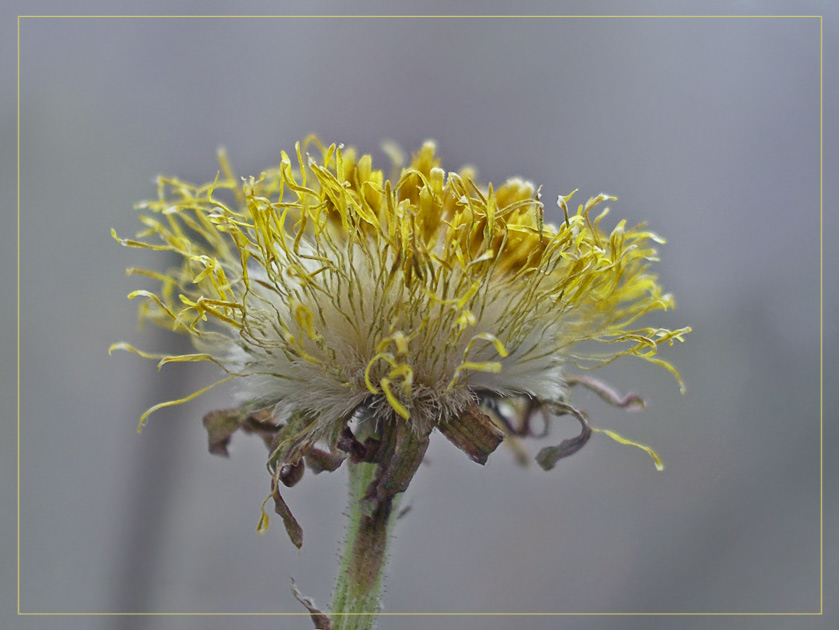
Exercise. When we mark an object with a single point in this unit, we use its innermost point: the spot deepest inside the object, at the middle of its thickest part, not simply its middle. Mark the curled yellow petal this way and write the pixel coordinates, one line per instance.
(659, 465)
(264, 520)
(180, 401)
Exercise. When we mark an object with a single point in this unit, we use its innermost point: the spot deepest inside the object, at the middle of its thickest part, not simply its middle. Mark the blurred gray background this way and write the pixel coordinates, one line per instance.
(708, 129)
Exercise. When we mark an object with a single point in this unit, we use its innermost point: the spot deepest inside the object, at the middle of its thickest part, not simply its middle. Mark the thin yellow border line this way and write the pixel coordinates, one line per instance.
(18, 315)
(464, 614)
(821, 314)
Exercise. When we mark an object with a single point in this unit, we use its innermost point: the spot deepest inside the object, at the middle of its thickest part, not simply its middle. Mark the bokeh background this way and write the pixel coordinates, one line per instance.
(707, 129)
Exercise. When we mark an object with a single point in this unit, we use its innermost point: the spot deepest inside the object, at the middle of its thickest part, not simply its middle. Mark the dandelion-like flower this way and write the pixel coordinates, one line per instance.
(357, 314)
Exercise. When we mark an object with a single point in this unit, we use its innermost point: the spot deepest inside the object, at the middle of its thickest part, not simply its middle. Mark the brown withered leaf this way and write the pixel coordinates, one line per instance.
(221, 424)
(319, 618)
(261, 423)
(318, 460)
(292, 527)
(473, 433)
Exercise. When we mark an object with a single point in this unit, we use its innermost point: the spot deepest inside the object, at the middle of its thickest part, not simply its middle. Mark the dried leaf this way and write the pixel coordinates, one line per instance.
(262, 424)
(319, 461)
(221, 425)
(319, 618)
(292, 527)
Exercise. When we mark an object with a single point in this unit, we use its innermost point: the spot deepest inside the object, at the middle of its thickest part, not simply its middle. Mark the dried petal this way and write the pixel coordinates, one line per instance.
(630, 402)
(550, 455)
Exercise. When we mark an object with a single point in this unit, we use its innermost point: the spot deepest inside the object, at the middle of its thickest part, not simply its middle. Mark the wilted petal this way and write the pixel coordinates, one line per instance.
(550, 455)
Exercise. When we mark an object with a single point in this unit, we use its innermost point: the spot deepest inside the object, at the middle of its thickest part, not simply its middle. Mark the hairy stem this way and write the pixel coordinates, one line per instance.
(355, 602)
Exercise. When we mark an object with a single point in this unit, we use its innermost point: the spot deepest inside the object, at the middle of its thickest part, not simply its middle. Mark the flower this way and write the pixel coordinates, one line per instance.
(333, 296)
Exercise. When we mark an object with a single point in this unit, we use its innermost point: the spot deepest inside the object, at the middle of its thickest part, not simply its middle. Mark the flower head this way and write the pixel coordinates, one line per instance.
(332, 295)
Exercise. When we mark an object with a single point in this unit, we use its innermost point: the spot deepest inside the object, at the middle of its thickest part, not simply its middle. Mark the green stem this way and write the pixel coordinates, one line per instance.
(355, 602)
